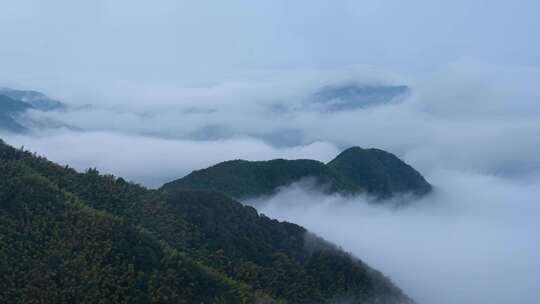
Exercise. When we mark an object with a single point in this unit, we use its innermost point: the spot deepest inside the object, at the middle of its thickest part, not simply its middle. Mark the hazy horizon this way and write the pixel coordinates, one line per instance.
(158, 89)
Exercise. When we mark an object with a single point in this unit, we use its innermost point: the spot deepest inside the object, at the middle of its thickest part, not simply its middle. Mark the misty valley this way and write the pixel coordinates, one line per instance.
(269, 152)
(211, 235)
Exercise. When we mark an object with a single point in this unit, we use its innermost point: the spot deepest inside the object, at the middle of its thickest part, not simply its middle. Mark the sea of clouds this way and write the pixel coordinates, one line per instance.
(470, 128)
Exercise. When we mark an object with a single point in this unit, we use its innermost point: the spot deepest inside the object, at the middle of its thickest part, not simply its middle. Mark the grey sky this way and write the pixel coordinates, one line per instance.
(87, 48)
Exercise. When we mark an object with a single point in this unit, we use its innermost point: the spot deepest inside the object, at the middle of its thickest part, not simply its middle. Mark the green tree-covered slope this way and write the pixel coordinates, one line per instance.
(378, 172)
(355, 170)
(240, 178)
(70, 237)
(54, 249)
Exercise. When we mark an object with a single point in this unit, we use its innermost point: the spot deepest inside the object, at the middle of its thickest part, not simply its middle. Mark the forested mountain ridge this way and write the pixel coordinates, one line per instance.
(85, 237)
(57, 250)
(241, 178)
(355, 170)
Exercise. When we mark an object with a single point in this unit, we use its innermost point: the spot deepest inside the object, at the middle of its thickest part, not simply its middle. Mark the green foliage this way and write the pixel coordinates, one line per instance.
(380, 173)
(55, 249)
(355, 170)
(69, 237)
(240, 178)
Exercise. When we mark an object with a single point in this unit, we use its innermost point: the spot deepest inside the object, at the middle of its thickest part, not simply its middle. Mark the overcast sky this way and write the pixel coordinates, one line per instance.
(85, 49)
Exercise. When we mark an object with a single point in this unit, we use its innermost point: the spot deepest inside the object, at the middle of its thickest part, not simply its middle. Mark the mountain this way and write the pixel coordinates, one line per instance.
(14, 102)
(347, 97)
(70, 237)
(9, 109)
(378, 172)
(355, 170)
(35, 99)
(241, 178)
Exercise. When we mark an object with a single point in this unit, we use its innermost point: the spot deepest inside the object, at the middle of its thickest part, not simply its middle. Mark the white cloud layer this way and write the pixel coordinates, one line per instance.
(470, 116)
(475, 240)
(154, 161)
(471, 129)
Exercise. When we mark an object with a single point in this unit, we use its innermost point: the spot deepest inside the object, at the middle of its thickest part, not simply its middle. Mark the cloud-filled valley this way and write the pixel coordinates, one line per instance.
(472, 134)
(151, 92)
(451, 120)
(472, 241)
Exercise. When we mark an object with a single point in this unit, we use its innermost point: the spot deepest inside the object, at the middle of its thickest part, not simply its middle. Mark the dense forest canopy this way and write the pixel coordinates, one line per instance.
(85, 237)
(355, 170)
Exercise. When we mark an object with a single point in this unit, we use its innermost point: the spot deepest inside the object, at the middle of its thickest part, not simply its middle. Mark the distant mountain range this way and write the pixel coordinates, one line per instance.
(348, 97)
(69, 237)
(35, 99)
(14, 102)
(9, 109)
(336, 98)
(355, 170)
(326, 99)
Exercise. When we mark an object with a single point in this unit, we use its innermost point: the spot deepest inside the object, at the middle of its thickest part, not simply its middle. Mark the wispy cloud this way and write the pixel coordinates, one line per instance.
(474, 240)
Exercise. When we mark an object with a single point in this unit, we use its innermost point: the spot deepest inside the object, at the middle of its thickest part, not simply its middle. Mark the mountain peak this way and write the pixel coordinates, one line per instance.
(10, 108)
(35, 99)
(355, 170)
(379, 172)
(346, 97)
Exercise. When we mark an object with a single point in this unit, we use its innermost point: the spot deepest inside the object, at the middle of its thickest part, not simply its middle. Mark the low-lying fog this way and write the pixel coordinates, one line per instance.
(474, 240)
(471, 129)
